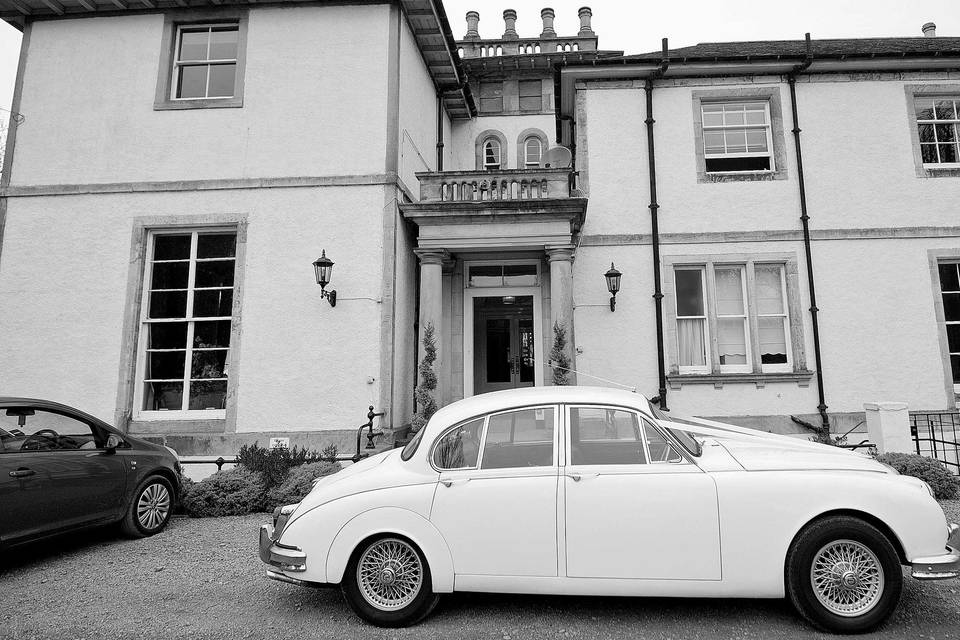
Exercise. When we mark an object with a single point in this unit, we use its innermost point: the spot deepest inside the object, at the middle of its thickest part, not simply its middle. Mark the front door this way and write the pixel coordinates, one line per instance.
(635, 506)
(504, 343)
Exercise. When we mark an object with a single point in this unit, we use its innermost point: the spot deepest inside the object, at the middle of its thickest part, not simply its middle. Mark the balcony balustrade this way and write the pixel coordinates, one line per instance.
(477, 186)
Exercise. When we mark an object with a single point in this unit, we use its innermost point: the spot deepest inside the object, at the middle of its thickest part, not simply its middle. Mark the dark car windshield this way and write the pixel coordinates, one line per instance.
(689, 443)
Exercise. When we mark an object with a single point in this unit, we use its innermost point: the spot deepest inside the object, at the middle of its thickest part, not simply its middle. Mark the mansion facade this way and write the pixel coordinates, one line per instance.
(784, 217)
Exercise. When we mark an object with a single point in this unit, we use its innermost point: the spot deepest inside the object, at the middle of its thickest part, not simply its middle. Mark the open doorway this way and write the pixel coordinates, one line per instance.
(504, 343)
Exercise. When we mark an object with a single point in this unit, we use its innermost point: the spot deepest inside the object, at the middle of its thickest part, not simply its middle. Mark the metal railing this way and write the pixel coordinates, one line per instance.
(937, 435)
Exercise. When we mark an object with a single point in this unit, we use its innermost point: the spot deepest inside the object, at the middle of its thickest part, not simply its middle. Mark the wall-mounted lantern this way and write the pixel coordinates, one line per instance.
(323, 266)
(613, 285)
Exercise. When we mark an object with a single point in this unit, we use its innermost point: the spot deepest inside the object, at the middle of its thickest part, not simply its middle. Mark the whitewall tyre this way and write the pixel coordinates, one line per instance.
(150, 508)
(843, 575)
(387, 582)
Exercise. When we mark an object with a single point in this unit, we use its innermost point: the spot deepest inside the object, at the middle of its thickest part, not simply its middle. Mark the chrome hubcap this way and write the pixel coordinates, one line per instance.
(153, 506)
(847, 578)
(389, 574)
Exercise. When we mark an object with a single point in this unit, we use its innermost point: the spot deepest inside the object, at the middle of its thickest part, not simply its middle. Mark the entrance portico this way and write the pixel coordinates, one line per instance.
(495, 274)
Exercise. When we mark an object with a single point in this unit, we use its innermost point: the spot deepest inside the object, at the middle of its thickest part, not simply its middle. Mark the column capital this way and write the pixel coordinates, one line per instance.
(433, 256)
(560, 253)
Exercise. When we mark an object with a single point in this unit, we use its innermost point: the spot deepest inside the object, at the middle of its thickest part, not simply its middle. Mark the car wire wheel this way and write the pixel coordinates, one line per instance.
(390, 574)
(153, 506)
(847, 578)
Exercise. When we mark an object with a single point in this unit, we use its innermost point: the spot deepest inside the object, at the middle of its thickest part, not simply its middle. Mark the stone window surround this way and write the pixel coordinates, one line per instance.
(912, 91)
(532, 132)
(482, 137)
(737, 94)
(800, 374)
(172, 21)
(935, 257)
(130, 342)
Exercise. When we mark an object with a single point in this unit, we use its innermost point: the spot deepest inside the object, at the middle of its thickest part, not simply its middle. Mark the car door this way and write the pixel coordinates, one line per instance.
(496, 500)
(55, 473)
(635, 507)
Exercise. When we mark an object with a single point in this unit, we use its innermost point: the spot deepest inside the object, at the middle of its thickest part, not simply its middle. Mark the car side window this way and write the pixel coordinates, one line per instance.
(659, 447)
(522, 438)
(605, 435)
(24, 429)
(459, 448)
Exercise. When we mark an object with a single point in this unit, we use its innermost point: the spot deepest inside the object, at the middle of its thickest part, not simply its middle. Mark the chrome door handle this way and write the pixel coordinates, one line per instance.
(22, 473)
(577, 477)
(449, 483)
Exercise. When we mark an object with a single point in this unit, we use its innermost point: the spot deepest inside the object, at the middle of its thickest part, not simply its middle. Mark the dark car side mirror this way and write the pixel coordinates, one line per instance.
(113, 441)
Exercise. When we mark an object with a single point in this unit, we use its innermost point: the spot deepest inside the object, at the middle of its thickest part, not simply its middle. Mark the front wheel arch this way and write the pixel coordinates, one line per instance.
(870, 519)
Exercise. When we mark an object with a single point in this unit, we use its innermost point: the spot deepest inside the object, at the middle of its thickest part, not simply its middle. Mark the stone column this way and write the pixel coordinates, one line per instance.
(510, 24)
(473, 18)
(547, 15)
(888, 426)
(561, 299)
(585, 15)
(431, 309)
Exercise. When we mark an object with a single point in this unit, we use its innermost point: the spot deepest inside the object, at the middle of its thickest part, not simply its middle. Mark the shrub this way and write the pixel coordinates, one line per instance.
(426, 405)
(233, 492)
(559, 360)
(298, 483)
(274, 463)
(944, 484)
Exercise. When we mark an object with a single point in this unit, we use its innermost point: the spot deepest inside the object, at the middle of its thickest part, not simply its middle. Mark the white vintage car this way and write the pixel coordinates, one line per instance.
(589, 491)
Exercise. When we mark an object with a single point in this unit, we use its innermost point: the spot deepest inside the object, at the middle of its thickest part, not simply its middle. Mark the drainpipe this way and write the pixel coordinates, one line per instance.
(439, 131)
(661, 399)
(805, 220)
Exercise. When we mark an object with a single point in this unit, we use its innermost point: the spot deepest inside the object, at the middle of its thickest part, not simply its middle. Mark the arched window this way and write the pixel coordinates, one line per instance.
(532, 151)
(491, 154)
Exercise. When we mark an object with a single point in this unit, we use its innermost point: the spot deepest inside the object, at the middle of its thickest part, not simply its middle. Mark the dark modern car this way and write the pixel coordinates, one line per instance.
(62, 470)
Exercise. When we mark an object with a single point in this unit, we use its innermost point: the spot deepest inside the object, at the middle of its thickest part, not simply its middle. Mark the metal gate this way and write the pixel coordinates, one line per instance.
(937, 435)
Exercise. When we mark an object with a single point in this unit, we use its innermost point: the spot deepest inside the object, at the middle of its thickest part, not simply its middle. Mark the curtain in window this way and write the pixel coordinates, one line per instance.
(690, 341)
(771, 314)
(731, 321)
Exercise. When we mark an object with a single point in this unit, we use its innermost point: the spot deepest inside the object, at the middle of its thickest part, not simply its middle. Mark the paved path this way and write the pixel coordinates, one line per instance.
(202, 579)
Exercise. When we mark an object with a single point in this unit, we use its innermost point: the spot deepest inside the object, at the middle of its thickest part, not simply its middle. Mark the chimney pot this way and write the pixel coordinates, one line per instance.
(510, 22)
(929, 30)
(585, 29)
(548, 15)
(472, 19)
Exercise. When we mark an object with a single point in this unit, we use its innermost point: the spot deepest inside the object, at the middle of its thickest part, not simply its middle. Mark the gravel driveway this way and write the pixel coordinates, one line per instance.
(202, 579)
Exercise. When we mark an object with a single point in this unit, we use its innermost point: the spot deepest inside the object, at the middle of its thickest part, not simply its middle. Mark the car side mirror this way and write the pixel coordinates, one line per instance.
(113, 441)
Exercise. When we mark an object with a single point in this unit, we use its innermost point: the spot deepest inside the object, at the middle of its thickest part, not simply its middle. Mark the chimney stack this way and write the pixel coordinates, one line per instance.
(510, 21)
(472, 19)
(547, 15)
(585, 14)
(929, 30)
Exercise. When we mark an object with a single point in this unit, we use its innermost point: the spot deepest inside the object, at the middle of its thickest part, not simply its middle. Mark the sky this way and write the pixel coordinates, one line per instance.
(636, 26)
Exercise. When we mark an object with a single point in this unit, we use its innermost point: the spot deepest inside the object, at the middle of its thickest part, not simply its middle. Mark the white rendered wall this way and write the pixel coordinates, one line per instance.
(418, 114)
(302, 365)
(314, 101)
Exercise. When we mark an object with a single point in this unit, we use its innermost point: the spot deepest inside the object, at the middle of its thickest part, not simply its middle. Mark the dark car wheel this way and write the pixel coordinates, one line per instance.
(387, 583)
(149, 510)
(843, 575)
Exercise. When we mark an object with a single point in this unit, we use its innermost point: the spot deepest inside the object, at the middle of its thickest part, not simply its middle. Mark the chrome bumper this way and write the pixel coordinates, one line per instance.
(279, 556)
(943, 566)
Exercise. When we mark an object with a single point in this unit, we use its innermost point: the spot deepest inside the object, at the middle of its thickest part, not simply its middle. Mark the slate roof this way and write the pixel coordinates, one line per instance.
(840, 48)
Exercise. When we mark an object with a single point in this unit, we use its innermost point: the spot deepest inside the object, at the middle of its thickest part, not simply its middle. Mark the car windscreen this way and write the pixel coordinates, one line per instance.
(689, 443)
(411, 447)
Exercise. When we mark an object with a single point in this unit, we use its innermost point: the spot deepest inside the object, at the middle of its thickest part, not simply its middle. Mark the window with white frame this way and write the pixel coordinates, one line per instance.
(737, 136)
(532, 151)
(949, 273)
(186, 321)
(491, 154)
(938, 121)
(745, 306)
(205, 61)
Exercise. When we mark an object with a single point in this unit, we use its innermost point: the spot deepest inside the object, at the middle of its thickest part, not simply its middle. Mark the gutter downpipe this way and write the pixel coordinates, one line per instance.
(439, 131)
(804, 218)
(661, 399)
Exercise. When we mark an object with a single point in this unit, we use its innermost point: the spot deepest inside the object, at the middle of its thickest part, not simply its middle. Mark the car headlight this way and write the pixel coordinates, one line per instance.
(280, 517)
(176, 456)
